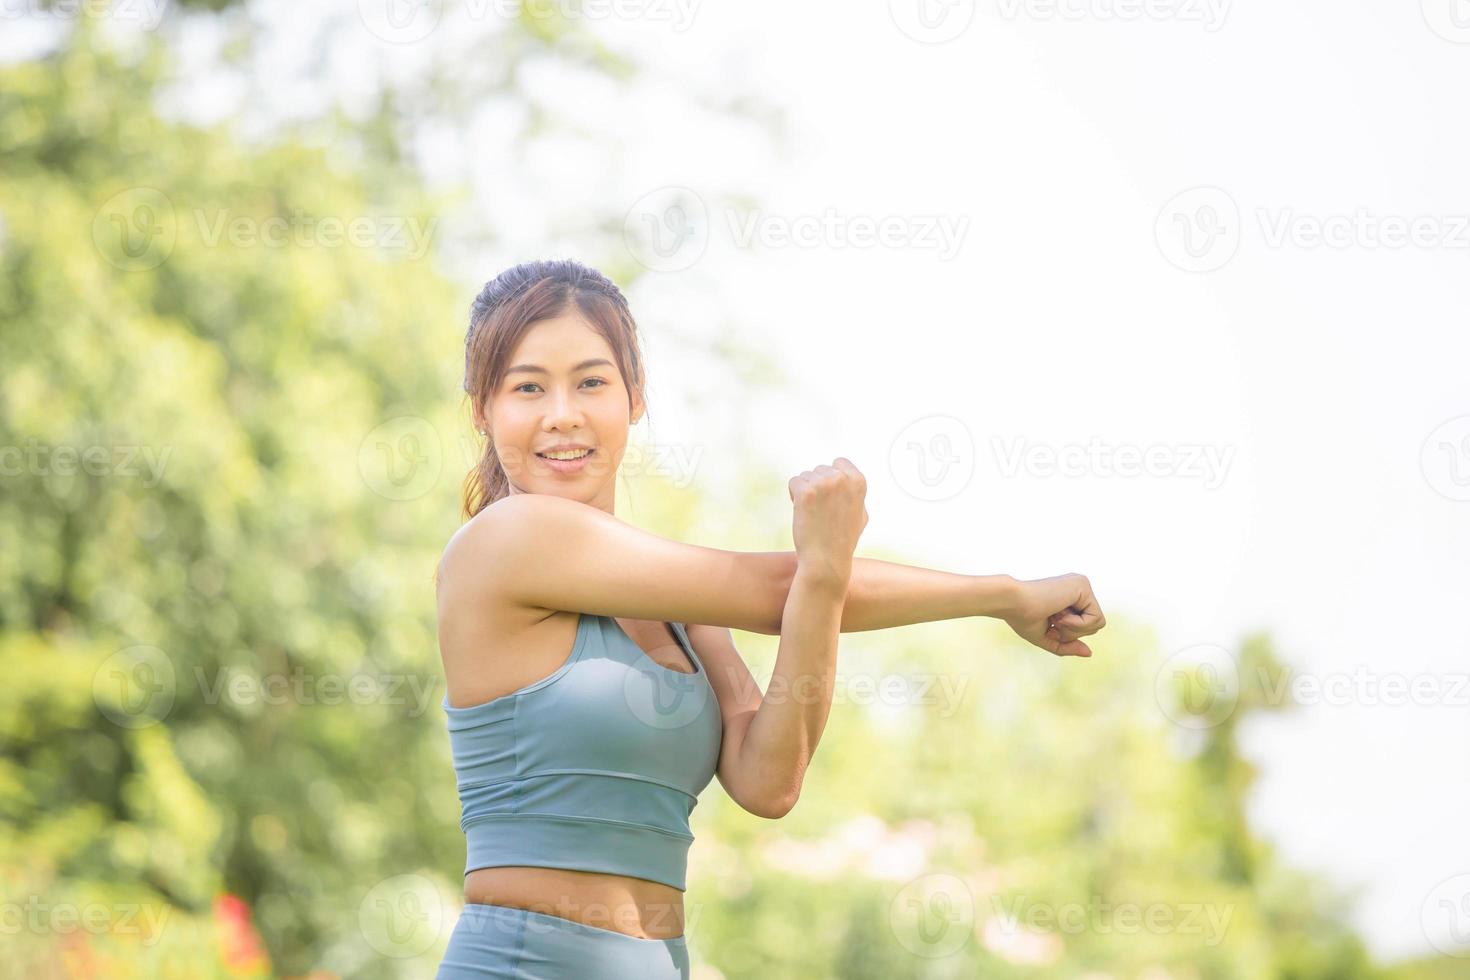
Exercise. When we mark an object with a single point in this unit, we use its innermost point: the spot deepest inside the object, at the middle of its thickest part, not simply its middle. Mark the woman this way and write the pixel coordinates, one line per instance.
(578, 770)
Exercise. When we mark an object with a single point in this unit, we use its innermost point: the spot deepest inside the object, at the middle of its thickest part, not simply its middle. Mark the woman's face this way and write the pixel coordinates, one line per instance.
(562, 389)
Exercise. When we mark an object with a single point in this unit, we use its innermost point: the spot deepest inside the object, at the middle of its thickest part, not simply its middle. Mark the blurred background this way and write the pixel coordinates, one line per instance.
(1169, 292)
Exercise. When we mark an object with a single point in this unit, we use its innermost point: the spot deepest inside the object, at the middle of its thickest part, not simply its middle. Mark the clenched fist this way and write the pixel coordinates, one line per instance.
(1054, 613)
(828, 517)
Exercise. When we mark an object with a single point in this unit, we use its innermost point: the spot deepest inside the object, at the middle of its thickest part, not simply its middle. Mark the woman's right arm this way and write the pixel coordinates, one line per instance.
(548, 552)
(552, 553)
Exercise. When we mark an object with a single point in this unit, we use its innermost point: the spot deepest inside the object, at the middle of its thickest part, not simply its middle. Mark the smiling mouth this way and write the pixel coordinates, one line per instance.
(567, 457)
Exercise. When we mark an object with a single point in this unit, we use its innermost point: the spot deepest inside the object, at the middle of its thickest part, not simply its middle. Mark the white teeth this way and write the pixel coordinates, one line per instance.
(567, 455)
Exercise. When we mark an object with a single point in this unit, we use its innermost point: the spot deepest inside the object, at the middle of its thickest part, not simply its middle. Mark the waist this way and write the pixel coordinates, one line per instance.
(632, 906)
(577, 843)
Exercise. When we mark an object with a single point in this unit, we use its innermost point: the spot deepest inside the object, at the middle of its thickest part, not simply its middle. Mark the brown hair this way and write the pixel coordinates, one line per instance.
(507, 307)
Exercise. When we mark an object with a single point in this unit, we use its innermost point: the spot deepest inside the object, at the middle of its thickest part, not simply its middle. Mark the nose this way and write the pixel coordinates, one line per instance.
(562, 415)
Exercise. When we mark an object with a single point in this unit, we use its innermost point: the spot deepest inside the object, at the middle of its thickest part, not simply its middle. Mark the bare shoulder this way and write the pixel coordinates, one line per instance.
(490, 645)
(500, 535)
(473, 555)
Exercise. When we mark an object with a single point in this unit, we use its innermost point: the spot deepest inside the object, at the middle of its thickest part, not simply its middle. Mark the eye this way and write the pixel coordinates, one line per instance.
(600, 383)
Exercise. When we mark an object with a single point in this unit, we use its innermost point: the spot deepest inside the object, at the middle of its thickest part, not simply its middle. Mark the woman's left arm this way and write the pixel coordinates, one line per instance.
(1051, 613)
(882, 594)
(770, 739)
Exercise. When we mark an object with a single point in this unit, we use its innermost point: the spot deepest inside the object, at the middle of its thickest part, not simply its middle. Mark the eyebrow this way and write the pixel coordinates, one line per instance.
(538, 369)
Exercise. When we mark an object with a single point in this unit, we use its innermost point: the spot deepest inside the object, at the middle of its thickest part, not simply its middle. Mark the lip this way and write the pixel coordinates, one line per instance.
(566, 467)
(563, 447)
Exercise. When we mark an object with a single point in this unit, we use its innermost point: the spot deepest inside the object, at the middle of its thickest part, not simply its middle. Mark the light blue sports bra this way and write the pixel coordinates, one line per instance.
(594, 768)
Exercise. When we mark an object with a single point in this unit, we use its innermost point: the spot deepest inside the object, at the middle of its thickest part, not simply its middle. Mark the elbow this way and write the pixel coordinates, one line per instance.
(773, 808)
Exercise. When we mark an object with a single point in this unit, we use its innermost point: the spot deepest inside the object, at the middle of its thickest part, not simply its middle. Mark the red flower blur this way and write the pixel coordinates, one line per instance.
(240, 945)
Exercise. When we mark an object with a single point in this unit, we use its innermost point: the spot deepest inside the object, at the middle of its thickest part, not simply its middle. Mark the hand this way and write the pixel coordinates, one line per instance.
(827, 517)
(1053, 612)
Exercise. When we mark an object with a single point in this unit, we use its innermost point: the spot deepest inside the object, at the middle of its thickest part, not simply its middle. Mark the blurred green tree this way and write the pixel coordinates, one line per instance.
(228, 473)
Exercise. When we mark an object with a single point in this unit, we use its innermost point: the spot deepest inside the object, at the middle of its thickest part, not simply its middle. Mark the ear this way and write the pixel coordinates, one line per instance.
(636, 409)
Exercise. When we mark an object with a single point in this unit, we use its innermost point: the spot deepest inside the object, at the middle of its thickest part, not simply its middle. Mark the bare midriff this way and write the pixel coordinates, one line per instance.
(633, 906)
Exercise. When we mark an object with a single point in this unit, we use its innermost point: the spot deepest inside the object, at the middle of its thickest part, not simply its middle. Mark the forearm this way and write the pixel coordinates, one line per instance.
(883, 594)
(783, 734)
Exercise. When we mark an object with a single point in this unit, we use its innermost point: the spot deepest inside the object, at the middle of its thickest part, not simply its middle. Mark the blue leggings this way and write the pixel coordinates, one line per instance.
(498, 942)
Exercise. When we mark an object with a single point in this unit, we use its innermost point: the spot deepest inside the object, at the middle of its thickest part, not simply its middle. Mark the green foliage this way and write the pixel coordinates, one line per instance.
(239, 518)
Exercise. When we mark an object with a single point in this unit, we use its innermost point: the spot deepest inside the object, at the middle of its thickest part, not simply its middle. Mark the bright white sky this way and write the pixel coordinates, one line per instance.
(1321, 371)
(1052, 139)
